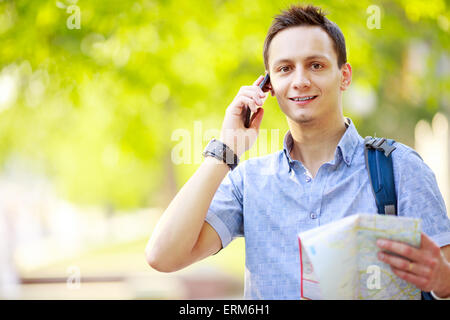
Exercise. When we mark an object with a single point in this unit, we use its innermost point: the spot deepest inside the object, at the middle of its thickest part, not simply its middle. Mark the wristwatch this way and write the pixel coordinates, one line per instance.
(436, 297)
(221, 151)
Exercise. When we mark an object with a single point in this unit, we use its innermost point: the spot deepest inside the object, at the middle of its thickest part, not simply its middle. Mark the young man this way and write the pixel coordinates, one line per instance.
(319, 177)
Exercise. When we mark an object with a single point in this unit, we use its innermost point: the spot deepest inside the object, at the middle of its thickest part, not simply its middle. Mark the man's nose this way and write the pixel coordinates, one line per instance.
(301, 79)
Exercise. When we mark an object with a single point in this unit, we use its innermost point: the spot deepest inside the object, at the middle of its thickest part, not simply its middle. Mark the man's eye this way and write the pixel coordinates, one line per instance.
(284, 69)
(317, 66)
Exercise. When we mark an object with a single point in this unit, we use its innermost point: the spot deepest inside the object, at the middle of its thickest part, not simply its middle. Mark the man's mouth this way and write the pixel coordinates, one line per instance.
(305, 98)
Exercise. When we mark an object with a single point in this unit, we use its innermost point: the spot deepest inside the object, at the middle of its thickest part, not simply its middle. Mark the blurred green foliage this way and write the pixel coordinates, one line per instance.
(94, 108)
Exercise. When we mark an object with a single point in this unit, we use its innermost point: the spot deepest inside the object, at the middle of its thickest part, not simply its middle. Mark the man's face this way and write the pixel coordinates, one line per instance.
(303, 64)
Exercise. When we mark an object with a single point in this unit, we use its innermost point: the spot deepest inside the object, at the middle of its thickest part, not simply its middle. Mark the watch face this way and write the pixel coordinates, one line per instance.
(219, 149)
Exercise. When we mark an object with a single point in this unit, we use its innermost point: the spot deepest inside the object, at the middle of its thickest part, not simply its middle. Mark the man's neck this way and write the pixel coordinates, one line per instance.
(315, 143)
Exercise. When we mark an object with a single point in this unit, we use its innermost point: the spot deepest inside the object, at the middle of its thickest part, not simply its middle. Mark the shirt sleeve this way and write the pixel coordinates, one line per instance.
(419, 196)
(226, 209)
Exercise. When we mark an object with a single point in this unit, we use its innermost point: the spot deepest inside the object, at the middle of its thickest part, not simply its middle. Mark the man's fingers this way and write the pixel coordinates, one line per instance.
(256, 119)
(400, 248)
(255, 87)
(253, 95)
(246, 101)
(258, 81)
(252, 91)
(418, 281)
(405, 265)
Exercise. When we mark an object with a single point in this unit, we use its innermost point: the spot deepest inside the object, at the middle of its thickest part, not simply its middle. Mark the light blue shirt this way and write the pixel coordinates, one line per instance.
(270, 199)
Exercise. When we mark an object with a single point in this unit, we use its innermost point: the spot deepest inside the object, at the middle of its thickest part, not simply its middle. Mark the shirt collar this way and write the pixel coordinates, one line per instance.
(345, 149)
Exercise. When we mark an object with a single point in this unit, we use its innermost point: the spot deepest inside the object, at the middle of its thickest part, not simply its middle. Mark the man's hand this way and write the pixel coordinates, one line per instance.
(425, 267)
(233, 133)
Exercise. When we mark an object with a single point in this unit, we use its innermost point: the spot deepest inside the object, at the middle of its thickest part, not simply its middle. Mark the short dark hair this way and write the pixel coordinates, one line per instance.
(301, 15)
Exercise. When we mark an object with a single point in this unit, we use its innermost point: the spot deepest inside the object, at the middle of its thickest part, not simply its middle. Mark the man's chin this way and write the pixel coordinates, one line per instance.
(302, 118)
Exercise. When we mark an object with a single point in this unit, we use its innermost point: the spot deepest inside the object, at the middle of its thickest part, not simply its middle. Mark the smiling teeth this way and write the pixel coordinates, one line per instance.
(303, 99)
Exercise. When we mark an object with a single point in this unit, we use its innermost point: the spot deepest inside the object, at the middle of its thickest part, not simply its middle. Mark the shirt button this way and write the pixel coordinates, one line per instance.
(308, 179)
(313, 215)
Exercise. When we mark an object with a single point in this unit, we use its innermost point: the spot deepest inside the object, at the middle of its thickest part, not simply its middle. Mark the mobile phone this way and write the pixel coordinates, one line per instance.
(248, 112)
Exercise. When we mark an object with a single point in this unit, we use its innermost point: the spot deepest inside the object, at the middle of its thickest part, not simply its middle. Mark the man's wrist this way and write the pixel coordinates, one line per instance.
(232, 145)
(443, 292)
(221, 151)
(438, 297)
(215, 161)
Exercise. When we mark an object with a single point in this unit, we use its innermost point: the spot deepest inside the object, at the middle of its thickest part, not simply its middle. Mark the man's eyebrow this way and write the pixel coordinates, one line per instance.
(312, 57)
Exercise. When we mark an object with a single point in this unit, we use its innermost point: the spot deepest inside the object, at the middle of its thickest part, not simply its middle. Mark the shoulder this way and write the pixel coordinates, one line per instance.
(406, 160)
(411, 173)
(402, 150)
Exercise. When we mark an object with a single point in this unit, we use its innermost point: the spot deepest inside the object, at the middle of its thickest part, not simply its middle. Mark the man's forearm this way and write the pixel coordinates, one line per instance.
(179, 227)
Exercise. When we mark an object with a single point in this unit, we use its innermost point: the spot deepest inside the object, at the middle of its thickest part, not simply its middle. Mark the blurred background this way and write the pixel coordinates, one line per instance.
(106, 106)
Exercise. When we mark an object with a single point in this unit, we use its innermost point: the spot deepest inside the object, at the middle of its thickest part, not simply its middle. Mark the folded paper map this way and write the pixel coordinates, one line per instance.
(339, 260)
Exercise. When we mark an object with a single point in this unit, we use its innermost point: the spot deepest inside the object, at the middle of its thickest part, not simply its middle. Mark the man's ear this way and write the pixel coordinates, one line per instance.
(346, 76)
(269, 86)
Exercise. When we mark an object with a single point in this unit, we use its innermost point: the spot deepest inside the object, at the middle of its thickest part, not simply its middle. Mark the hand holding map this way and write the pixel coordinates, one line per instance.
(339, 260)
